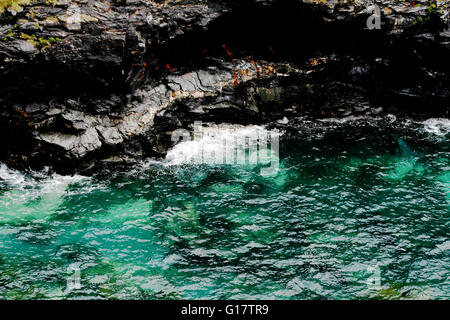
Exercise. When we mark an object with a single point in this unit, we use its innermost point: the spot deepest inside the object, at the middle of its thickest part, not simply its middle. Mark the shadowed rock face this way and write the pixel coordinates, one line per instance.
(84, 81)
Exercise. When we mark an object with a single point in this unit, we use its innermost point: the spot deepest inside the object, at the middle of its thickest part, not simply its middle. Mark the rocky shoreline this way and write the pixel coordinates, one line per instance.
(88, 82)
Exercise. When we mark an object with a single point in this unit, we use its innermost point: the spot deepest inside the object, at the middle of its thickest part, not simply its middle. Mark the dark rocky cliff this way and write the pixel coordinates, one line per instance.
(88, 82)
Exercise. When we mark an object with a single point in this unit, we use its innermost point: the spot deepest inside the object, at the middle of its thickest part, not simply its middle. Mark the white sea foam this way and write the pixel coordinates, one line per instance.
(343, 120)
(390, 118)
(11, 177)
(16, 178)
(437, 126)
(44, 190)
(222, 144)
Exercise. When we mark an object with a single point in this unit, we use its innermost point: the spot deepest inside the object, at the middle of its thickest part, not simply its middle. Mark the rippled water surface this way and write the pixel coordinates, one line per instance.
(356, 211)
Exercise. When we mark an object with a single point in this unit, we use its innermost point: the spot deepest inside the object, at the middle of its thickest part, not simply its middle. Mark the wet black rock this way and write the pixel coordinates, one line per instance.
(83, 83)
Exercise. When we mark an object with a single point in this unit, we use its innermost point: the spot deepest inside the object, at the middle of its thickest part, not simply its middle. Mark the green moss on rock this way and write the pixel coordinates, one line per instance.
(12, 5)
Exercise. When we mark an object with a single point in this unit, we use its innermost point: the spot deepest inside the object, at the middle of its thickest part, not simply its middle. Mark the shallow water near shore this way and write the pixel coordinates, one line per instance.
(356, 210)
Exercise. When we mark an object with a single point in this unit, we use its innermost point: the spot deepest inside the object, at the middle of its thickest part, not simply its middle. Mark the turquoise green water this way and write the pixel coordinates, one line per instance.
(354, 212)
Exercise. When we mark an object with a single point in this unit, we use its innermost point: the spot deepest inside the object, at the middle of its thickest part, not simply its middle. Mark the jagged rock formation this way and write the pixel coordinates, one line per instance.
(85, 81)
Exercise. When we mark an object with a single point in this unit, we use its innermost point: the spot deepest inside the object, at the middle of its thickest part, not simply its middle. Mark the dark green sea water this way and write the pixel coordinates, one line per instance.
(356, 211)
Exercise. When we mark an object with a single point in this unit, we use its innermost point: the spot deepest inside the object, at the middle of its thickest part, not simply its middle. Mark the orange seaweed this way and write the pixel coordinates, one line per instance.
(235, 77)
